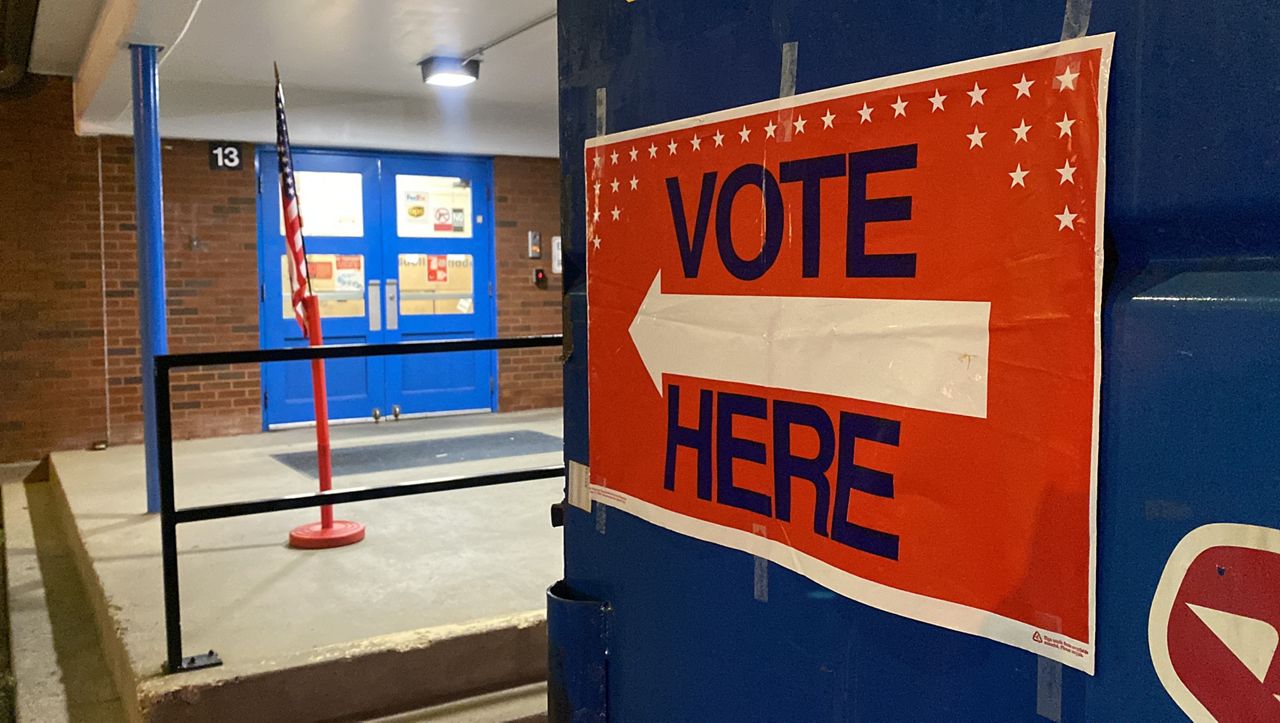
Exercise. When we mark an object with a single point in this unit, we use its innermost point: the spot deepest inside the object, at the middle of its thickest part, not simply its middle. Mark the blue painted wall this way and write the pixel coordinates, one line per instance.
(1191, 387)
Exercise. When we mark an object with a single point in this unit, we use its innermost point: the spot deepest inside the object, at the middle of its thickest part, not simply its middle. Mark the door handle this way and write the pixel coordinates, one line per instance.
(393, 305)
(375, 305)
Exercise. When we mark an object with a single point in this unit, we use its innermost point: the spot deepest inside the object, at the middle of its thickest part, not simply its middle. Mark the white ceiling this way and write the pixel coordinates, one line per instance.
(368, 46)
(349, 68)
(62, 31)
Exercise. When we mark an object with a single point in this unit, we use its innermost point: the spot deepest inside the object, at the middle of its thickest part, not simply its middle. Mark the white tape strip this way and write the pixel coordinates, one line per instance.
(601, 110)
(788, 85)
(1075, 21)
(579, 486)
(1049, 689)
(760, 589)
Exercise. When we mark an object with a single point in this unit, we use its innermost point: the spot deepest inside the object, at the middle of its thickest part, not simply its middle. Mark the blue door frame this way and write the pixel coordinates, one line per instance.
(414, 386)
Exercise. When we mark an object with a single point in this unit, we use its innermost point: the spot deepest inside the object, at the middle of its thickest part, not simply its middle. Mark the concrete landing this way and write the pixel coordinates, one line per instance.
(443, 600)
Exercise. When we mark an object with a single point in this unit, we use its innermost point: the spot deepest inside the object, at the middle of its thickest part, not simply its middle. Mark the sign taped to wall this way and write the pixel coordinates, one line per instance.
(336, 279)
(856, 332)
(436, 284)
(433, 207)
(335, 204)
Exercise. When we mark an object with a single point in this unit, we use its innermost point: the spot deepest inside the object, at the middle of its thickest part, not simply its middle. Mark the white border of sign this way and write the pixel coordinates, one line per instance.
(1220, 534)
(953, 616)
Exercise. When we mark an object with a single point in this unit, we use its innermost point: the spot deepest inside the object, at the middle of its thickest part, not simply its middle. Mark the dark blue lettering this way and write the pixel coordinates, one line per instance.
(788, 465)
(691, 247)
(729, 448)
(810, 172)
(850, 476)
(863, 210)
(696, 438)
(756, 175)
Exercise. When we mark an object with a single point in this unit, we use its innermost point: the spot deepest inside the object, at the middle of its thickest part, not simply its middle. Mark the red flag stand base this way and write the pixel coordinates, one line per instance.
(316, 537)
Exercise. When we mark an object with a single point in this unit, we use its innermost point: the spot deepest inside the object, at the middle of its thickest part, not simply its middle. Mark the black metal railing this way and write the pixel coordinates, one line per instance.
(170, 517)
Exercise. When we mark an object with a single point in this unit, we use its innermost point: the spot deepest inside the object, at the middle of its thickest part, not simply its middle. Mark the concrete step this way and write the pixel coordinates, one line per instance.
(526, 704)
(240, 595)
(60, 672)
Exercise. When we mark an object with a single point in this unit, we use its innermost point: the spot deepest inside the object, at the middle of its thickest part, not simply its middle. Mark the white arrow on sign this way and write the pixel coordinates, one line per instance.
(929, 355)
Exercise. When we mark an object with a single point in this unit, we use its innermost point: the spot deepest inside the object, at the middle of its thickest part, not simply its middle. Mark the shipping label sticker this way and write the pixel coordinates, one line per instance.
(433, 207)
(436, 284)
(337, 280)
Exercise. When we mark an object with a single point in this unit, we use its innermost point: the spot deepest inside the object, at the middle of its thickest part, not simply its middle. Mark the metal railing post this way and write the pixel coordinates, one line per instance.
(169, 533)
(171, 517)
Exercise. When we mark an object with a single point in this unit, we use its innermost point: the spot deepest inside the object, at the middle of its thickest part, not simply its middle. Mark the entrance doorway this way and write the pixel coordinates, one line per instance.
(399, 248)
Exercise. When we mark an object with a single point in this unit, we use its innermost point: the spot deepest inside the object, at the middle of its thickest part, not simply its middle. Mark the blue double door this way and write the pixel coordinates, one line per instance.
(400, 248)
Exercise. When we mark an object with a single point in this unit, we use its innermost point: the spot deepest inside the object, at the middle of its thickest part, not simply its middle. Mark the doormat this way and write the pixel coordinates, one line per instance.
(425, 452)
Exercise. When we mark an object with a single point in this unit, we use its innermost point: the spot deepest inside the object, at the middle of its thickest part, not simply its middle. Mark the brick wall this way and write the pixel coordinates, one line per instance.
(211, 287)
(52, 390)
(526, 198)
(69, 369)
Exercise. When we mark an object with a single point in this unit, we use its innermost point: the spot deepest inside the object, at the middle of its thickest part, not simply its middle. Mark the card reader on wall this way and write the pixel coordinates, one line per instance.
(540, 278)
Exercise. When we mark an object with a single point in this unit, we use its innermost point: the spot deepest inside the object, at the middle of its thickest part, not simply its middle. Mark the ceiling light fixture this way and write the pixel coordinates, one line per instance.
(449, 72)
(453, 72)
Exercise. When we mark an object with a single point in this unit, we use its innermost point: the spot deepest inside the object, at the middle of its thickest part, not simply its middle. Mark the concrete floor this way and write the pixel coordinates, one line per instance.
(433, 560)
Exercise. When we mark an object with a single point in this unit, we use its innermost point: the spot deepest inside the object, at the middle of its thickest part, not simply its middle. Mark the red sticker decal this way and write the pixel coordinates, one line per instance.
(1214, 628)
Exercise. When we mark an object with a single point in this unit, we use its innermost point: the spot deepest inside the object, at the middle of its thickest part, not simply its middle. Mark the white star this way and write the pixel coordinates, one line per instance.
(1064, 125)
(899, 108)
(596, 186)
(975, 138)
(1024, 87)
(613, 186)
(696, 142)
(937, 100)
(1068, 173)
(599, 161)
(1018, 175)
(653, 151)
(975, 95)
(672, 147)
(1067, 80)
(616, 213)
(769, 129)
(1066, 219)
(633, 152)
(1020, 133)
(719, 138)
(634, 182)
(798, 124)
(613, 158)
(595, 242)
(744, 134)
(595, 215)
(828, 119)
(865, 112)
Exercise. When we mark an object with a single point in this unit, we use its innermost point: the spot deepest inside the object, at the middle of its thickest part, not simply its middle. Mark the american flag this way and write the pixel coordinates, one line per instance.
(299, 281)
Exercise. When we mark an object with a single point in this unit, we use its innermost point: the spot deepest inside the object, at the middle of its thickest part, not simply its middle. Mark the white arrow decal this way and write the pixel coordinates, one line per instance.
(929, 355)
(1252, 641)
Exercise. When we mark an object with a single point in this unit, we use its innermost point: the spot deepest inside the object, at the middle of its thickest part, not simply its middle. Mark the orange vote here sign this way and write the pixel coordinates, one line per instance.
(856, 331)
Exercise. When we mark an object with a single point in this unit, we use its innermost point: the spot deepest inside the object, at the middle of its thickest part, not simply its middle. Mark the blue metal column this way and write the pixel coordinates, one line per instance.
(152, 325)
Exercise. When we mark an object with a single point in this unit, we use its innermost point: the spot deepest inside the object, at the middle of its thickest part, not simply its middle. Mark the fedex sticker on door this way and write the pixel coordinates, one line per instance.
(855, 332)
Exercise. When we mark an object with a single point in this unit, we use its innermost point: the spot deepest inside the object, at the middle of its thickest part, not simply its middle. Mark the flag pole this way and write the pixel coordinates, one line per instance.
(328, 532)
(320, 394)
